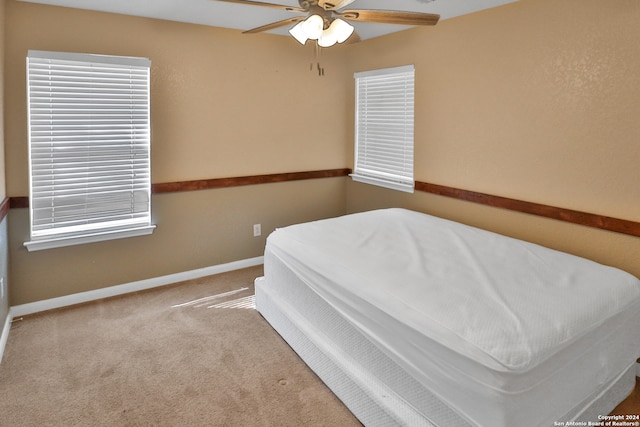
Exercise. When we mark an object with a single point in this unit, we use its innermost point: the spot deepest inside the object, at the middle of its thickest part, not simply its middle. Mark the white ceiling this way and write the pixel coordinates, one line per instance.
(229, 15)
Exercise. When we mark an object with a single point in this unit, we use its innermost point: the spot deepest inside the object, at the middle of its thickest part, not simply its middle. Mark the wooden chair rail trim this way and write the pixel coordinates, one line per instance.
(577, 217)
(18, 202)
(205, 184)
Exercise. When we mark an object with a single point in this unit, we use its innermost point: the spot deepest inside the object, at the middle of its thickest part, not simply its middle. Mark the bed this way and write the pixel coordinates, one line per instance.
(415, 320)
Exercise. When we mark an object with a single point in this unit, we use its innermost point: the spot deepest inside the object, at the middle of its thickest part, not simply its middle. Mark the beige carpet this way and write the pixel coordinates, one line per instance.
(190, 354)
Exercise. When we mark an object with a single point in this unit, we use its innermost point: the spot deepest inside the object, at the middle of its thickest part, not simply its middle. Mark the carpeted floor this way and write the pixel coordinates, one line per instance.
(190, 354)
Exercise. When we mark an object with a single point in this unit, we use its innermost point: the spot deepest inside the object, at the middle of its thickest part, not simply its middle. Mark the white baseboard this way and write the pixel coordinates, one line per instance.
(67, 300)
(5, 334)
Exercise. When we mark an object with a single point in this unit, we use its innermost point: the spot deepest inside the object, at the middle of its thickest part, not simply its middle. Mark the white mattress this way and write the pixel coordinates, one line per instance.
(376, 389)
(531, 332)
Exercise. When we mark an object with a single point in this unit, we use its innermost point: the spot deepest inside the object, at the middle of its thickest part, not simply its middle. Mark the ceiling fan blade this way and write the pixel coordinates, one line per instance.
(390, 17)
(271, 5)
(275, 25)
(333, 4)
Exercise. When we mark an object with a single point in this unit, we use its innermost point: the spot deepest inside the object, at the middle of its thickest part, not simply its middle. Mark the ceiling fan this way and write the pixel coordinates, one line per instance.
(325, 22)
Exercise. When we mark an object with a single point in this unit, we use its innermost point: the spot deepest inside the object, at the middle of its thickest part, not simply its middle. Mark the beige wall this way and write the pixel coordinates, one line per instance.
(3, 191)
(224, 104)
(536, 100)
(4, 273)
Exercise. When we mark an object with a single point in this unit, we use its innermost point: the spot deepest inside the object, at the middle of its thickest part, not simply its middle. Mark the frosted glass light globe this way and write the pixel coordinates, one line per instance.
(313, 27)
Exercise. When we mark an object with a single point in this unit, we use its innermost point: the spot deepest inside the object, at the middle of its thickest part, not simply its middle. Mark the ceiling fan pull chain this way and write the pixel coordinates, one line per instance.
(314, 56)
(318, 54)
(315, 59)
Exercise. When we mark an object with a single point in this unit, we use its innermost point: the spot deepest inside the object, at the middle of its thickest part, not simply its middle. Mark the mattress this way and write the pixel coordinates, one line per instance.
(499, 331)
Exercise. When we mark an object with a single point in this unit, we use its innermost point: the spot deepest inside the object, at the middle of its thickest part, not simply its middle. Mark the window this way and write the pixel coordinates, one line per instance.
(89, 148)
(384, 128)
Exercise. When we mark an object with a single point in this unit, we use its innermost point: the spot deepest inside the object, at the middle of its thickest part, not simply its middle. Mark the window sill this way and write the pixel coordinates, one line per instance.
(407, 188)
(40, 244)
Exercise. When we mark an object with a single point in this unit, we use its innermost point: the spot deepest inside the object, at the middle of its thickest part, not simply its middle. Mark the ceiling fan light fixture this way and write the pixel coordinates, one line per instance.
(313, 27)
(341, 29)
(338, 32)
(298, 33)
(327, 39)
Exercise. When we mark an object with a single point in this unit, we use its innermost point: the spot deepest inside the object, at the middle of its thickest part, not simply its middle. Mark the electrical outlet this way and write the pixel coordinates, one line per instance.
(257, 230)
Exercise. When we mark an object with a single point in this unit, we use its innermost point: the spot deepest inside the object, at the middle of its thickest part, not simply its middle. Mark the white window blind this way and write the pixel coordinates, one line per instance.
(89, 148)
(384, 127)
